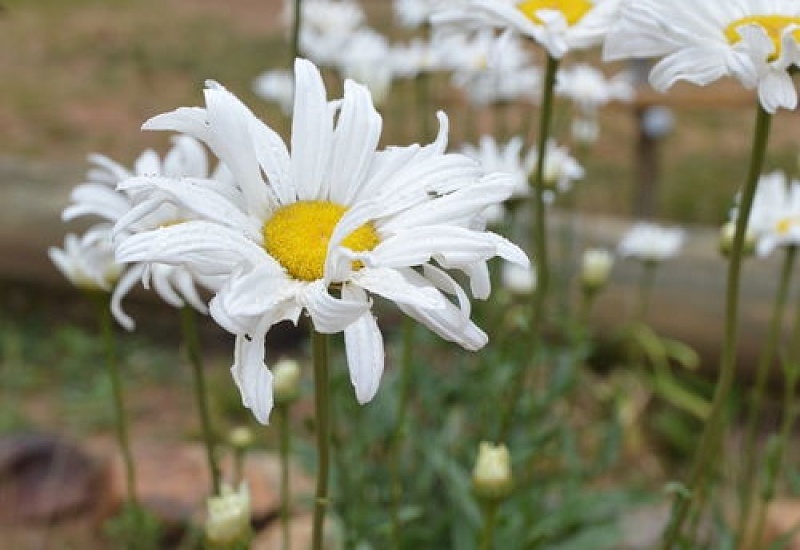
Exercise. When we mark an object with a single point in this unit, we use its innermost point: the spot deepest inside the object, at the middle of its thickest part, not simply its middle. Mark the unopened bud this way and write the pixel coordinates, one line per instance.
(286, 381)
(228, 521)
(491, 478)
(595, 268)
(518, 279)
(241, 437)
(726, 236)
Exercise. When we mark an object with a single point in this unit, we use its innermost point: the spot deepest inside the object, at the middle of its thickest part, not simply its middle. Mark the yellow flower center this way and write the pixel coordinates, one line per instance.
(773, 25)
(297, 236)
(573, 10)
(785, 225)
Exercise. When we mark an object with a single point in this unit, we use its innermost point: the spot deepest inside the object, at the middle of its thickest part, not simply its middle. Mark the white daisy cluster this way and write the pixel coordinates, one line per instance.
(775, 217)
(322, 227)
(652, 243)
(754, 41)
(91, 258)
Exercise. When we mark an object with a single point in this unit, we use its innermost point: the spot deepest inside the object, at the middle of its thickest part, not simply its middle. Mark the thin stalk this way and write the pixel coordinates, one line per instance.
(538, 241)
(192, 342)
(754, 411)
(422, 88)
(285, 449)
(715, 425)
(118, 397)
(321, 420)
(406, 373)
(296, 22)
(489, 523)
(645, 289)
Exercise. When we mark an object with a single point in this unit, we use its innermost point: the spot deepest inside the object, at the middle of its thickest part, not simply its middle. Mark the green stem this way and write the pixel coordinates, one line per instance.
(399, 434)
(764, 363)
(715, 425)
(192, 342)
(489, 523)
(422, 85)
(321, 415)
(296, 22)
(120, 416)
(538, 241)
(645, 289)
(285, 449)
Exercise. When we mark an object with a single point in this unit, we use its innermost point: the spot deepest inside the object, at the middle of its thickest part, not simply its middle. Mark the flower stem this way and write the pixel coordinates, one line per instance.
(120, 416)
(538, 241)
(296, 22)
(192, 342)
(285, 448)
(715, 425)
(422, 89)
(321, 413)
(764, 363)
(645, 290)
(489, 522)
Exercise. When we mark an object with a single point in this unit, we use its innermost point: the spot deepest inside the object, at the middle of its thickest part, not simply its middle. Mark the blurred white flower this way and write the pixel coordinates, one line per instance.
(491, 477)
(559, 26)
(327, 27)
(560, 169)
(755, 41)
(775, 217)
(132, 212)
(419, 56)
(324, 226)
(649, 242)
(286, 381)
(88, 261)
(367, 60)
(494, 157)
(228, 518)
(276, 86)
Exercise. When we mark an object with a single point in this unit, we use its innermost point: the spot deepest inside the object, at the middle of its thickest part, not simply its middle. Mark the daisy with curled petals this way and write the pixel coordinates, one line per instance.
(327, 225)
(88, 261)
(558, 25)
(651, 243)
(755, 41)
(132, 212)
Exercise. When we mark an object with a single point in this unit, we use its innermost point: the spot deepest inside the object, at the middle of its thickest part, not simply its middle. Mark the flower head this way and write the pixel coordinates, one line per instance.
(228, 518)
(558, 25)
(88, 261)
(596, 266)
(649, 242)
(277, 87)
(132, 212)
(560, 169)
(775, 216)
(322, 228)
(755, 41)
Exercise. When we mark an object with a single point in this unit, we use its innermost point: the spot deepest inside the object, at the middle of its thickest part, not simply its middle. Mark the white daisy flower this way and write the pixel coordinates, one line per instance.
(327, 27)
(325, 226)
(506, 158)
(88, 261)
(558, 25)
(775, 217)
(560, 169)
(755, 41)
(133, 212)
(368, 59)
(649, 242)
(413, 14)
(419, 57)
(276, 86)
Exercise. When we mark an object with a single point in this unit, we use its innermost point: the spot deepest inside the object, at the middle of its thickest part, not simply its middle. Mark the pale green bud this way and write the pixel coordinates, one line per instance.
(241, 437)
(595, 268)
(286, 381)
(491, 478)
(726, 235)
(228, 519)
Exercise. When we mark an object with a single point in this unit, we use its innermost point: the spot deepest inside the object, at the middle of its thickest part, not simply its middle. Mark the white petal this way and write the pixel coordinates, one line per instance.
(357, 133)
(418, 245)
(330, 314)
(698, 65)
(124, 286)
(312, 132)
(776, 90)
(160, 275)
(364, 348)
(393, 285)
(251, 375)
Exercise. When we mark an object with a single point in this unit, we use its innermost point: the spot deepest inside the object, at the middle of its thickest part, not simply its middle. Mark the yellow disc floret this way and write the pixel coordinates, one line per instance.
(773, 25)
(297, 236)
(573, 10)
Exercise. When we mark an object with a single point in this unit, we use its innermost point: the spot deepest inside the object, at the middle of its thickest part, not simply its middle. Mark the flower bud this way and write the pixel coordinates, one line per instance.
(518, 279)
(595, 269)
(286, 381)
(228, 520)
(726, 236)
(491, 478)
(241, 437)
